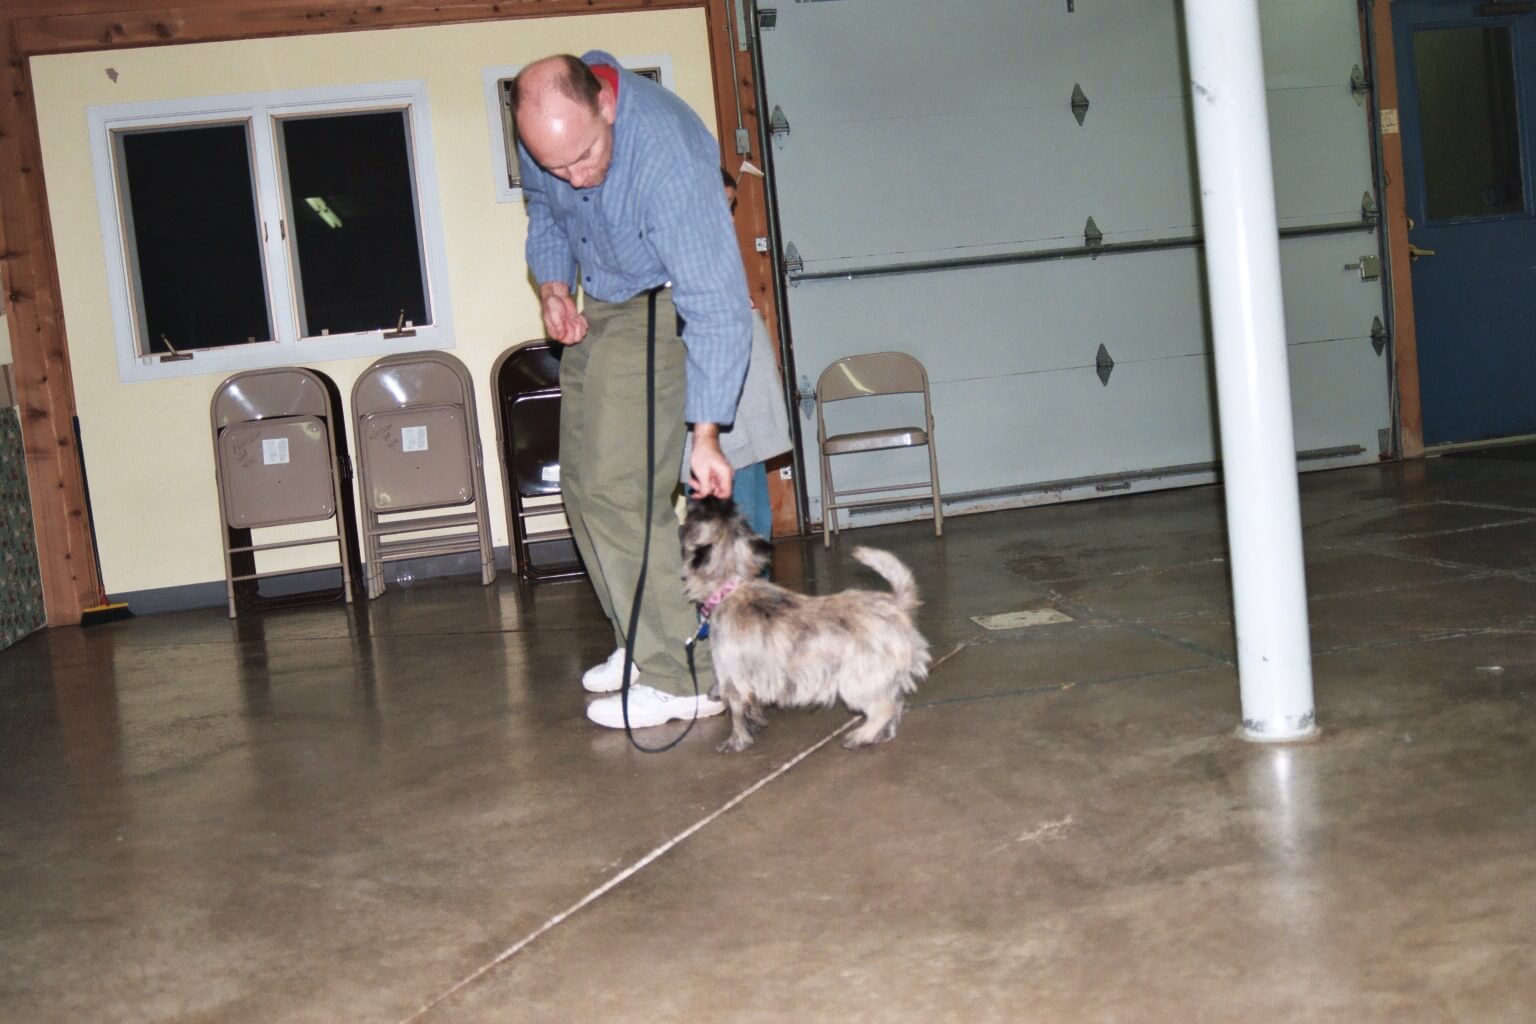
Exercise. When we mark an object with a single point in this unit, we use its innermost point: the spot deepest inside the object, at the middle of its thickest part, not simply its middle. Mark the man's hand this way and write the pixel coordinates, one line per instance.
(711, 473)
(561, 320)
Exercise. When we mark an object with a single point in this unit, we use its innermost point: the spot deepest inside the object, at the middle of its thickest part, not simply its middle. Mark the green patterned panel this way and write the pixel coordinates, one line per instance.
(21, 588)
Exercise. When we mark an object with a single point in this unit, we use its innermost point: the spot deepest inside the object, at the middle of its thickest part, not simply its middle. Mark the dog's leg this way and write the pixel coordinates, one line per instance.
(879, 725)
(755, 717)
(741, 731)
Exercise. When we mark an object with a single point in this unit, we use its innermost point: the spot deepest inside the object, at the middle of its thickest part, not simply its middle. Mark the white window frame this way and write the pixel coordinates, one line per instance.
(262, 112)
(501, 172)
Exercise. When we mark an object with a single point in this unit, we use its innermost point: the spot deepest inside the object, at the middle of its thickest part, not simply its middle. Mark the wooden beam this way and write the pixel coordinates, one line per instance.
(1394, 220)
(218, 20)
(46, 391)
(736, 89)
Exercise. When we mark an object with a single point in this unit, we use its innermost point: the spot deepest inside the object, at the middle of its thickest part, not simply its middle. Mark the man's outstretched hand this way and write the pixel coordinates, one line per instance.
(562, 322)
(710, 472)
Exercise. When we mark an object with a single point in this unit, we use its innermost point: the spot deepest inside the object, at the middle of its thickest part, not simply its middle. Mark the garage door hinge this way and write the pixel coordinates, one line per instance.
(807, 396)
(793, 264)
(767, 18)
(1359, 85)
(1091, 234)
(1370, 213)
(1104, 365)
(778, 127)
(1378, 335)
(1079, 103)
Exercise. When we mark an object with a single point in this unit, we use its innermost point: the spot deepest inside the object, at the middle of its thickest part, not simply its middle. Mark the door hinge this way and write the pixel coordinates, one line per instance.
(1359, 85)
(807, 396)
(1378, 335)
(1370, 213)
(1079, 104)
(767, 18)
(793, 264)
(1091, 234)
(1104, 365)
(778, 127)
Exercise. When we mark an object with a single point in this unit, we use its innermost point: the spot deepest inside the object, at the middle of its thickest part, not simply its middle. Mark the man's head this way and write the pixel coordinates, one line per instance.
(565, 117)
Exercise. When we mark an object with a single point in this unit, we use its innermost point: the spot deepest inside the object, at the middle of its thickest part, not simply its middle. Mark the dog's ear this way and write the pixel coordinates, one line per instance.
(710, 509)
(761, 549)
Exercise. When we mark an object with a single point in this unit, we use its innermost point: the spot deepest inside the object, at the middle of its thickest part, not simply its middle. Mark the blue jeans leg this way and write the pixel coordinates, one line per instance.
(750, 489)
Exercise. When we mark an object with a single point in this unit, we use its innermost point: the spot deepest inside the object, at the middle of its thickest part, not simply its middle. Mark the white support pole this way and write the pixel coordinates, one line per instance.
(1253, 389)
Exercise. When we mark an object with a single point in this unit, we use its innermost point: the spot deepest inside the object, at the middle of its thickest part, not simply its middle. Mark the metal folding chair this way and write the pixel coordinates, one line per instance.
(418, 447)
(526, 380)
(866, 376)
(277, 463)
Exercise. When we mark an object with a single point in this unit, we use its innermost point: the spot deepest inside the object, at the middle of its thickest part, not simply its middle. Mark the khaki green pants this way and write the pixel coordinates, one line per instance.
(603, 477)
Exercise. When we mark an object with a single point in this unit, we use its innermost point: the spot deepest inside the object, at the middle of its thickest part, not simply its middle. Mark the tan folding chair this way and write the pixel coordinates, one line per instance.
(418, 447)
(864, 376)
(526, 379)
(275, 456)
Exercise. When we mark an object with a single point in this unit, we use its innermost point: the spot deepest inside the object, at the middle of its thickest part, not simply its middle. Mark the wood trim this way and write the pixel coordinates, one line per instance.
(140, 24)
(751, 206)
(46, 394)
(1405, 345)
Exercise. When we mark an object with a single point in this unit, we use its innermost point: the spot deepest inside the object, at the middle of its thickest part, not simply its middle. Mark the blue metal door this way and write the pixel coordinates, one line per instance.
(1467, 74)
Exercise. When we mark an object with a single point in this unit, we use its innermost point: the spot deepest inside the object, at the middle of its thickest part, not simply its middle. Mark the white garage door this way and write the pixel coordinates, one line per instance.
(935, 182)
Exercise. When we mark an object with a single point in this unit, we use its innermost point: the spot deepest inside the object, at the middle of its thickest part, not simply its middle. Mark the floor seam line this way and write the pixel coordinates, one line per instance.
(620, 878)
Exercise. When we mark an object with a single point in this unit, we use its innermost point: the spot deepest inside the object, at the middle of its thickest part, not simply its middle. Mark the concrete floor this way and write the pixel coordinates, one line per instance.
(316, 816)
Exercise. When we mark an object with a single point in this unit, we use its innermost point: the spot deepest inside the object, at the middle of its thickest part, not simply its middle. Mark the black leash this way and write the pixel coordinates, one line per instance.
(645, 552)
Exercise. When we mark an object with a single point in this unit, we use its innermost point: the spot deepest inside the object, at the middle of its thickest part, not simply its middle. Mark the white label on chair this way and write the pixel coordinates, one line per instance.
(413, 439)
(274, 451)
(551, 474)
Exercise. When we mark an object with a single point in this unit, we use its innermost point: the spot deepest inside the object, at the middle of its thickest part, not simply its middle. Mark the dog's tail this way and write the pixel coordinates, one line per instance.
(895, 572)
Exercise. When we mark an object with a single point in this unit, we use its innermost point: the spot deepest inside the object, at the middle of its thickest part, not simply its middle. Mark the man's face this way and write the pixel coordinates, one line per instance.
(568, 140)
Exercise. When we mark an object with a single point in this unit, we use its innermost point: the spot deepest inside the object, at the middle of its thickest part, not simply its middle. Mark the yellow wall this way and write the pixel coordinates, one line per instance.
(148, 454)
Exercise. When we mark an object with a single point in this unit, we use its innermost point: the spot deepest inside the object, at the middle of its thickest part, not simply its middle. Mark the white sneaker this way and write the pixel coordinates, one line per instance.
(609, 676)
(648, 706)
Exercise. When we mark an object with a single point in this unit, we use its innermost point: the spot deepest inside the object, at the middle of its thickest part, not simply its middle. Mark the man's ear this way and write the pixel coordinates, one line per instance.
(607, 103)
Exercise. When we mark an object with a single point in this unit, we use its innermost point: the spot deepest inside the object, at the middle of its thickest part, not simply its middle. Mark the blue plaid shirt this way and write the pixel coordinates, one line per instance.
(660, 215)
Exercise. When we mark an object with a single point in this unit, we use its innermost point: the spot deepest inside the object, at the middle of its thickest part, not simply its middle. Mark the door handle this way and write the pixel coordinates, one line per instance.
(1414, 251)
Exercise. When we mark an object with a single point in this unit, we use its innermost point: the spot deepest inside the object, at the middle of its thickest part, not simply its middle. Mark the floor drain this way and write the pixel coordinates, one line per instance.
(1020, 619)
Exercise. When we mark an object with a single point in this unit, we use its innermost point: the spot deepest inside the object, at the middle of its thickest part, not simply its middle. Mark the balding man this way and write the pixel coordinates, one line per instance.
(622, 182)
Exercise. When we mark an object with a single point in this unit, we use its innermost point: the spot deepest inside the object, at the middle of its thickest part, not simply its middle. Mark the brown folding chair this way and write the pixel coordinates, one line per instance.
(276, 459)
(418, 447)
(526, 380)
(865, 376)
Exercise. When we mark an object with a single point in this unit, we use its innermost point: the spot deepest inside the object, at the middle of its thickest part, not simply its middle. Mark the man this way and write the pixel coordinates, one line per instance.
(622, 184)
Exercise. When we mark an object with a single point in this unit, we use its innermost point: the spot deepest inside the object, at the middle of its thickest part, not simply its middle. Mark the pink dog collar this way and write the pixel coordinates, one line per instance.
(713, 600)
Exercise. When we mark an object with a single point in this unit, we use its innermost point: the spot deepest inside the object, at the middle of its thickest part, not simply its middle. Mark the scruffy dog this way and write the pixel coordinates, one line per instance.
(774, 646)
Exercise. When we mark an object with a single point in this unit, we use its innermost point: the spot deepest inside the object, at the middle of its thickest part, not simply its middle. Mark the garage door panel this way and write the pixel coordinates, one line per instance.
(1324, 299)
(1309, 42)
(1330, 406)
(1010, 319)
(1035, 428)
(1322, 165)
(866, 193)
(997, 55)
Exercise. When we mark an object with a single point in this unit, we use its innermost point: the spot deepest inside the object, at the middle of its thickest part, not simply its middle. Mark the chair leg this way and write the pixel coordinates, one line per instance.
(933, 478)
(828, 503)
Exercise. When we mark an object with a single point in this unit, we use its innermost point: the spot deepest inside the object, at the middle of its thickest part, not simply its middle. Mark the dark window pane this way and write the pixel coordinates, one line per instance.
(195, 238)
(1467, 110)
(354, 232)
